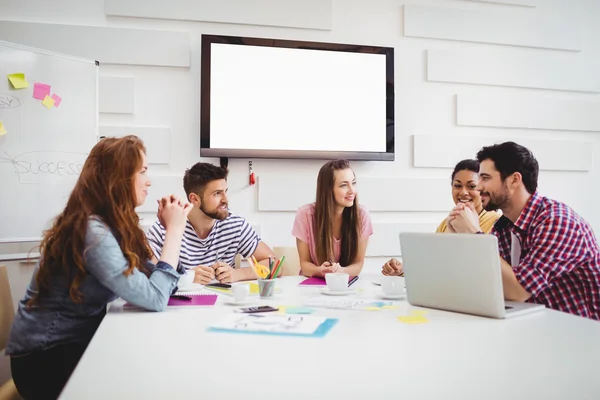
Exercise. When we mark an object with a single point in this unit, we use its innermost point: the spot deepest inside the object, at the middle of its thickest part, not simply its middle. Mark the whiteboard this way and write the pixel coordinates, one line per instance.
(43, 149)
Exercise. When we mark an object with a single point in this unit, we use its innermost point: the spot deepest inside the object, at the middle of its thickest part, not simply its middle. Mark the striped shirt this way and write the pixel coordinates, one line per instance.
(229, 237)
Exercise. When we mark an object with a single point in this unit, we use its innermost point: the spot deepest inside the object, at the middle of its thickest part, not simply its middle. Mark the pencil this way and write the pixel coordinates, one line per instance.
(272, 274)
(278, 267)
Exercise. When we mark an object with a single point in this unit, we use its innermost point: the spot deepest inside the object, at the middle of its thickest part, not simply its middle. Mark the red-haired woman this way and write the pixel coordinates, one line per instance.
(94, 253)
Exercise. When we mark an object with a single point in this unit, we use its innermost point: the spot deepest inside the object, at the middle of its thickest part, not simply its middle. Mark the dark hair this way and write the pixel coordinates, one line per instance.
(466, 165)
(510, 157)
(323, 219)
(196, 178)
(105, 188)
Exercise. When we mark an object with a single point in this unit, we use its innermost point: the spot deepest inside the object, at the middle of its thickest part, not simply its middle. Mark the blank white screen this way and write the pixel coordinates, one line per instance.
(293, 99)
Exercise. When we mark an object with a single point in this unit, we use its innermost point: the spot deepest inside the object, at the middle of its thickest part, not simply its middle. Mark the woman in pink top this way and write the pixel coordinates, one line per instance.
(332, 233)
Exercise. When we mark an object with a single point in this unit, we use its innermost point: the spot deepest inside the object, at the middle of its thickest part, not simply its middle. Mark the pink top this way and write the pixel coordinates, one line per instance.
(303, 230)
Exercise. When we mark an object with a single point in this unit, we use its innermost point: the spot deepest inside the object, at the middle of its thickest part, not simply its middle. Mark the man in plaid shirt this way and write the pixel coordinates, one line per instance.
(548, 253)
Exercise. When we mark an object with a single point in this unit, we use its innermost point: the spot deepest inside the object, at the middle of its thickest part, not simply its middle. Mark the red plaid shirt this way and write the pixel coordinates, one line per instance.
(560, 257)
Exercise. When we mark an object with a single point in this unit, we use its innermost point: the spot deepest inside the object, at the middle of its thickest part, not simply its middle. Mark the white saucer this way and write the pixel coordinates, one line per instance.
(191, 288)
(241, 303)
(392, 296)
(337, 292)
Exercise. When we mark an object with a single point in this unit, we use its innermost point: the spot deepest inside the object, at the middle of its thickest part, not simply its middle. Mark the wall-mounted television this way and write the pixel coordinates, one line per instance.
(271, 98)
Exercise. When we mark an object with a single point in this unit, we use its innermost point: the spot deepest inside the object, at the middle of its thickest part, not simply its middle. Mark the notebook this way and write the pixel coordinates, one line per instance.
(317, 281)
(272, 324)
(196, 300)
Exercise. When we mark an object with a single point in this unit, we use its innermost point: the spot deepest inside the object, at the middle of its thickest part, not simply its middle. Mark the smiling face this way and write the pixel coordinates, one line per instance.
(214, 200)
(344, 187)
(464, 189)
(141, 182)
(495, 194)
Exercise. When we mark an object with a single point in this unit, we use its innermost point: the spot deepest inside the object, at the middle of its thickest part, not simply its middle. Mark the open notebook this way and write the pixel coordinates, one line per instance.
(196, 299)
(318, 281)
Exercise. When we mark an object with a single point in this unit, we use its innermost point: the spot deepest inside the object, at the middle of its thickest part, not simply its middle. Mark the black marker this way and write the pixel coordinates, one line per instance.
(181, 297)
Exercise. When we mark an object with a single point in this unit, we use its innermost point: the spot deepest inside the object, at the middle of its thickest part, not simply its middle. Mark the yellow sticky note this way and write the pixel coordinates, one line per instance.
(372, 309)
(3, 130)
(282, 309)
(17, 80)
(253, 287)
(389, 307)
(48, 102)
(413, 319)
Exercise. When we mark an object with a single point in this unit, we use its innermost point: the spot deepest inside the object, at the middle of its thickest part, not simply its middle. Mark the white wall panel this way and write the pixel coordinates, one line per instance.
(310, 14)
(529, 70)
(156, 139)
(116, 94)
(527, 111)
(376, 193)
(507, 26)
(525, 3)
(385, 239)
(444, 151)
(104, 44)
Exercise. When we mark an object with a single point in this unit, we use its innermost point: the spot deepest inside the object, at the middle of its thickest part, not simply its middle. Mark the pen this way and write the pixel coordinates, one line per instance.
(354, 279)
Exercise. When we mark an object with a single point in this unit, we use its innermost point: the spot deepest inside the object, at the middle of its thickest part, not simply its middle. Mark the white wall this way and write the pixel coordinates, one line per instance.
(467, 73)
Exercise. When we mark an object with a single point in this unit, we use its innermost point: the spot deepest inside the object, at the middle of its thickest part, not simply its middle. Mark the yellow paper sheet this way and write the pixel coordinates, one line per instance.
(413, 319)
(3, 130)
(17, 80)
(48, 102)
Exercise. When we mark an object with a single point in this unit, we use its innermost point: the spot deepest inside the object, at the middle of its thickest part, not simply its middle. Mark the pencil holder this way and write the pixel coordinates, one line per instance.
(266, 288)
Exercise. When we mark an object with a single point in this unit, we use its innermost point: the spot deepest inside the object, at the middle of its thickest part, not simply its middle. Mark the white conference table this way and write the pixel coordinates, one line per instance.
(368, 354)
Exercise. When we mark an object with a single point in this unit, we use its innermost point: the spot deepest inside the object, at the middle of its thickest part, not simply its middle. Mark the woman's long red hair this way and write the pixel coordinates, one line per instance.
(105, 189)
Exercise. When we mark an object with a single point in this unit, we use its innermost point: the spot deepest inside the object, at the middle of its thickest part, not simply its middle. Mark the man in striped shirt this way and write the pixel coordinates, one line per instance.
(213, 235)
(548, 253)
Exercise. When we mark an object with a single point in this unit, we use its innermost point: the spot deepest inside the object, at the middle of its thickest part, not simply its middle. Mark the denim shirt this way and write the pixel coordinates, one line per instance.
(56, 319)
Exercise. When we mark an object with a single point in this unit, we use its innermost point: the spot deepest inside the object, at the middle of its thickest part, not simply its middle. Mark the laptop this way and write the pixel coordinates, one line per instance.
(457, 272)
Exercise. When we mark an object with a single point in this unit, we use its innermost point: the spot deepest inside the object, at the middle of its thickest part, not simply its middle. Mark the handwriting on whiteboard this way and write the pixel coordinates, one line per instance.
(8, 101)
(36, 167)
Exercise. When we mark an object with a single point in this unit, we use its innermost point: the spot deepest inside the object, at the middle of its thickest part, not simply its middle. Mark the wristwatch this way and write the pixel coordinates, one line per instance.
(480, 233)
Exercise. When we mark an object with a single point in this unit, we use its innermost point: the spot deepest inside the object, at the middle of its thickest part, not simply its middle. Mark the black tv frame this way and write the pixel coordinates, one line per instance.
(207, 151)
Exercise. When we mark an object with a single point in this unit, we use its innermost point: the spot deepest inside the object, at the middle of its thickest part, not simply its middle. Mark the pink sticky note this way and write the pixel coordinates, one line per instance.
(57, 99)
(40, 91)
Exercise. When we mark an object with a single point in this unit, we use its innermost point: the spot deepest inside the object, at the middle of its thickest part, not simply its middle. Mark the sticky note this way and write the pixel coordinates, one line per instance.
(299, 310)
(48, 102)
(18, 81)
(57, 99)
(40, 91)
(413, 319)
(3, 130)
(253, 287)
